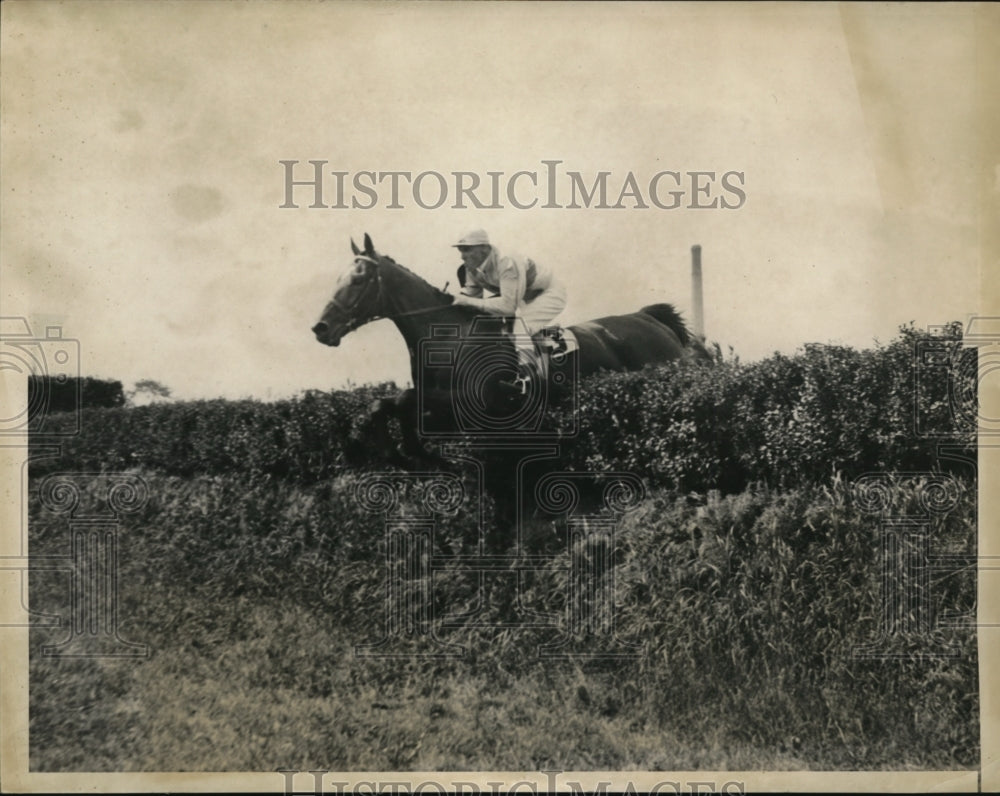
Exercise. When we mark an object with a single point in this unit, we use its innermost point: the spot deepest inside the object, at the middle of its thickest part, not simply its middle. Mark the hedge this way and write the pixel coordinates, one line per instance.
(783, 421)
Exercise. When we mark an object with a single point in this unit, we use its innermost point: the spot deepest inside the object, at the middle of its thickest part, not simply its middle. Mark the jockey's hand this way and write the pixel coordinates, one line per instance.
(461, 298)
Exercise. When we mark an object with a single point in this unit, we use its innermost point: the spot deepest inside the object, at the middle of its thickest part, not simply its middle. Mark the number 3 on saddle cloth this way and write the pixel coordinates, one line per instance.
(539, 355)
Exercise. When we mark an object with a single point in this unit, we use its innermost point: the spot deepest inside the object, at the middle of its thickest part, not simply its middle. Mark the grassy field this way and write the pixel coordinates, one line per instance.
(252, 592)
(754, 584)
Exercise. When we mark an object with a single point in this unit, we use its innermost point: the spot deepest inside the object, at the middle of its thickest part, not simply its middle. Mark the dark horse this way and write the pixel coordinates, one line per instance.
(467, 375)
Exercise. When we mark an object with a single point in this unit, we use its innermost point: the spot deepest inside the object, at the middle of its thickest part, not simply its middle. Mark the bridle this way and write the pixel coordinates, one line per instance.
(354, 322)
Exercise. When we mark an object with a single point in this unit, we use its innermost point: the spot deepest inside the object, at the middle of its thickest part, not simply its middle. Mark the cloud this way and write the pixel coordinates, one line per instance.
(197, 203)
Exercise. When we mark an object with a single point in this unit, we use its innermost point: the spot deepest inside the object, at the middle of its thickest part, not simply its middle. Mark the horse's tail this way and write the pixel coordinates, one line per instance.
(669, 317)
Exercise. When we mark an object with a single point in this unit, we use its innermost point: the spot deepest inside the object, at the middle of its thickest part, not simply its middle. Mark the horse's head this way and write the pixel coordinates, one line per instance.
(357, 299)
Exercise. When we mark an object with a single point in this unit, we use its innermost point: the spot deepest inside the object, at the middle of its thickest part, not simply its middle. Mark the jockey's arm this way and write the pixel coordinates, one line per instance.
(512, 288)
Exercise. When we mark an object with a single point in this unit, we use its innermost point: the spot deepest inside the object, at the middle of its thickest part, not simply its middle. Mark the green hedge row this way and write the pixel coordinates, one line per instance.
(303, 439)
(784, 420)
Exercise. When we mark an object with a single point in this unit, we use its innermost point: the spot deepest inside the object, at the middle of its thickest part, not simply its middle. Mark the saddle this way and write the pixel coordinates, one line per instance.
(537, 352)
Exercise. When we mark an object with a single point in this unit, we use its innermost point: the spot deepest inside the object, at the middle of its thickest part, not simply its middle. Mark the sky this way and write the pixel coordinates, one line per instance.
(142, 185)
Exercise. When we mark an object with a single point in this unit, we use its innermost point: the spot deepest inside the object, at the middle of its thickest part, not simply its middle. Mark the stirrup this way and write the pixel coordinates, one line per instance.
(551, 339)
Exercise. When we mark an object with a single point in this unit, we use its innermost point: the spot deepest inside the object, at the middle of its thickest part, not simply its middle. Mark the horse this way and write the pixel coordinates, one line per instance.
(468, 375)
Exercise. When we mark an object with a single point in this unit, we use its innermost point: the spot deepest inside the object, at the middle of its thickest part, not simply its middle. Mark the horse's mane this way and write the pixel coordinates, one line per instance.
(668, 316)
(437, 291)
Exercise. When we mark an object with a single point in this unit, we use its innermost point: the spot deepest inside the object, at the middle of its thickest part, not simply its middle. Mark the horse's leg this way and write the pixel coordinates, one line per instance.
(405, 406)
(409, 452)
(408, 408)
(378, 422)
(374, 428)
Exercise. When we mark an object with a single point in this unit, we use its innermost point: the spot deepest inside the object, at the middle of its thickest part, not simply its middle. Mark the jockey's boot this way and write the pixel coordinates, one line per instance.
(550, 341)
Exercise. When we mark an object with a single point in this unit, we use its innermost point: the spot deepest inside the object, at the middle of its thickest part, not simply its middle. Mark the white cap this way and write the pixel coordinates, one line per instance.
(475, 237)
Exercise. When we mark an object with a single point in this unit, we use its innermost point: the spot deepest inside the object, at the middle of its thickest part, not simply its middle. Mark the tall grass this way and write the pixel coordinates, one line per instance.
(747, 609)
(745, 584)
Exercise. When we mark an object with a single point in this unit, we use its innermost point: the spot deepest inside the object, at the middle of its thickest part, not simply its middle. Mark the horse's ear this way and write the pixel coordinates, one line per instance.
(354, 248)
(369, 248)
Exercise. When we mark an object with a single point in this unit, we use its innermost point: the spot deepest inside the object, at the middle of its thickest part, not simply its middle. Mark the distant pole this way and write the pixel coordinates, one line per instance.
(696, 297)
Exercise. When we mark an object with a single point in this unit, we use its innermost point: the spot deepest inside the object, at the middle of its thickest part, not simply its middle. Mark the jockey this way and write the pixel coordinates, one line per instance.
(525, 288)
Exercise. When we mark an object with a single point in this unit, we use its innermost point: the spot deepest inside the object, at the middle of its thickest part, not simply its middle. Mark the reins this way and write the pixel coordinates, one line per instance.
(353, 323)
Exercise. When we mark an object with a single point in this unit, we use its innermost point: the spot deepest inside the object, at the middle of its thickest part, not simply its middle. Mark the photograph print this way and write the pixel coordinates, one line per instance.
(498, 397)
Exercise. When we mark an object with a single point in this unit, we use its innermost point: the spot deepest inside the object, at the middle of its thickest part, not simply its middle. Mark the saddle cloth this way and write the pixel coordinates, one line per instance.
(535, 352)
